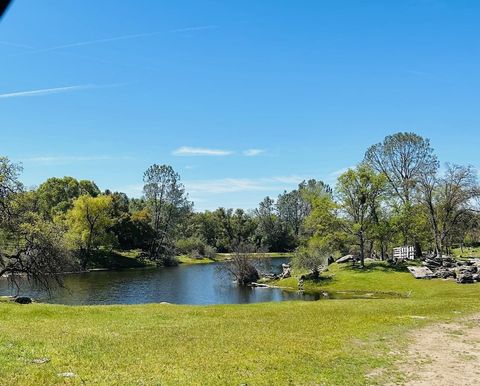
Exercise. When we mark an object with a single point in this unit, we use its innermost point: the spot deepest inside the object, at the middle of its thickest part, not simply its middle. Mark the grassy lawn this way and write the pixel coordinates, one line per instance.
(185, 259)
(467, 252)
(331, 342)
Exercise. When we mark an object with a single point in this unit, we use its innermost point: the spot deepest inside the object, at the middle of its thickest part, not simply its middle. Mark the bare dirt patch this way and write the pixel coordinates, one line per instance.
(444, 354)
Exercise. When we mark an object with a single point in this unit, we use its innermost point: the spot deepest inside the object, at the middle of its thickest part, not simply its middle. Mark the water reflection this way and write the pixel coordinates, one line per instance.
(189, 284)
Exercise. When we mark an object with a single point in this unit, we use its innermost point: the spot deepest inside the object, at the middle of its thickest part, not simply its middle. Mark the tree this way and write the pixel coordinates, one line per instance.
(9, 187)
(56, 195)
(358, 191)
(168, 206)
(404, 159)
(29, 246)
(88, 223)
(242, 265)
(312, 258)
(449, 202)
(272, 232)
(293, 209)
(324, 227)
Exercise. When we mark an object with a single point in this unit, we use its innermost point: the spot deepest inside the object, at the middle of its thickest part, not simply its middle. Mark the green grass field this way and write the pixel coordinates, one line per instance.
(467, 252)
(185, 259)
(331, 342)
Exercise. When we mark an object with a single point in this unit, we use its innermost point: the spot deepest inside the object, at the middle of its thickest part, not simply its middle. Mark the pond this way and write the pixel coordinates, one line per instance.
(185, 284)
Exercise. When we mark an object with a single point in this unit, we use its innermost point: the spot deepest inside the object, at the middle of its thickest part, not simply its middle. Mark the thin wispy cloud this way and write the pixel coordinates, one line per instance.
(89, 43)
(203, 188)
(253, 152)
(200, 151)
(45, 91)
(225, 185)
(339, 172)
(289, 179)
(11, 44)
(108, 40)
(195, 28)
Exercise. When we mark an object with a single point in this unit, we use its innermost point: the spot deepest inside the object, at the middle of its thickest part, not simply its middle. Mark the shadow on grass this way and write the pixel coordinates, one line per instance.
(379, 266)
(115, 260)
(327, 279)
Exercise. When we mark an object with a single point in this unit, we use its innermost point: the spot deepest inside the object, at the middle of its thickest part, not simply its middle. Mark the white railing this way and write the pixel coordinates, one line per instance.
(404, 253)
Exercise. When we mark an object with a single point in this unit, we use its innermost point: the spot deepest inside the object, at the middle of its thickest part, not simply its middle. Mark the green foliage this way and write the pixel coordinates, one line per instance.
(272, 233)
(168, 207)
(88, 224)
(405, 159)
(312, 258)
(359, 191)
(189, 245)
(56, 195)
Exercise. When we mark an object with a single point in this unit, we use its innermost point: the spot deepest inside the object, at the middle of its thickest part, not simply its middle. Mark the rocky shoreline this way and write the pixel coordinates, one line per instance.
(447, 267)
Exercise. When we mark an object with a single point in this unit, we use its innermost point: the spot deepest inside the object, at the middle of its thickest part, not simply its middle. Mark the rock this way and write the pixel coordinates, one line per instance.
(445, 273)
(40, 361)
(22, 300)
(346, 259)
(259, 285)
(469, 268)
(464, 278)
(67, 375)
(287, 271)
(420, 272)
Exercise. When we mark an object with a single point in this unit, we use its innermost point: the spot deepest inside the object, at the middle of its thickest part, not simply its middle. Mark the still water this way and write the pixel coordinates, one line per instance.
(185, 284)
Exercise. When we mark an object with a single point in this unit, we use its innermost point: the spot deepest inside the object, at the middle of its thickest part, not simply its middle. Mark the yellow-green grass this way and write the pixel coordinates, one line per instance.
(331, 342)
(186, 259)
(467, 252)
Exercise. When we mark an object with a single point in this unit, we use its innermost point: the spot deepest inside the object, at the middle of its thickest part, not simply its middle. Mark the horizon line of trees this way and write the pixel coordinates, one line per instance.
(397, 195)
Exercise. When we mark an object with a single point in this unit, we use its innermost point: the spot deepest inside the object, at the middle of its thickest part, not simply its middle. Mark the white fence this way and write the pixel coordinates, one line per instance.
(404, 253)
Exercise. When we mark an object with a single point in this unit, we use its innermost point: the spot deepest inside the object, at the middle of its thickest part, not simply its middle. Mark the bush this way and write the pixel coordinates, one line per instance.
(310, 258)
(189, 245)
(210, 252)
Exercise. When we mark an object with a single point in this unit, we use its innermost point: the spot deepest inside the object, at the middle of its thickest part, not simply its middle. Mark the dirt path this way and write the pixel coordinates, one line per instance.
(444, 354)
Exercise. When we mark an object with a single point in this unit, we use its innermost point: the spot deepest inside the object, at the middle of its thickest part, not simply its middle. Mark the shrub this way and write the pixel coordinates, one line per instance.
(310, 258)
(189, 245)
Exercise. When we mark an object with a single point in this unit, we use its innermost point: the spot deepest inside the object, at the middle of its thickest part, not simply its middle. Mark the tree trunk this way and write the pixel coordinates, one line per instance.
(362, 251)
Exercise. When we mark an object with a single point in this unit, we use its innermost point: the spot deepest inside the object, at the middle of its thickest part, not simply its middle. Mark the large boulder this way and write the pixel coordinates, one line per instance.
(287, 271)
(346, 259)
(420, 272)
(22, 300)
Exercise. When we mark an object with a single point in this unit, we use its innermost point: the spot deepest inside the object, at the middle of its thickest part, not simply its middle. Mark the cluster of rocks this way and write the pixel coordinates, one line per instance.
(446, 267)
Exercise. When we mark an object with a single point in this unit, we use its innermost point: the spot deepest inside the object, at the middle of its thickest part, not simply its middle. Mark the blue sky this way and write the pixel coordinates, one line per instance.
(243, 98)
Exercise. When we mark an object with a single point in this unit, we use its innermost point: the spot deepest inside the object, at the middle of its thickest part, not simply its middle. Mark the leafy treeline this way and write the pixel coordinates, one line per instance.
(397, 195)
